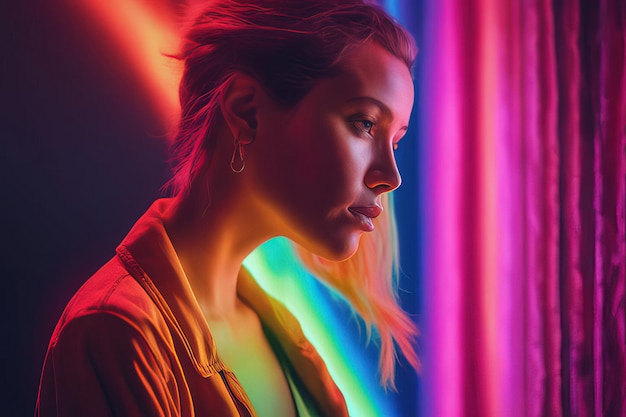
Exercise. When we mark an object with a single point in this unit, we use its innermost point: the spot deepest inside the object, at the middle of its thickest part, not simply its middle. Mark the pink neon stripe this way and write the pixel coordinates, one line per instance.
(488, 211)
(442, 257)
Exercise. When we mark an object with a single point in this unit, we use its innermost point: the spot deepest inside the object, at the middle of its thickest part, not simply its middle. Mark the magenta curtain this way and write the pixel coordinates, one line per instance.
(524, 119)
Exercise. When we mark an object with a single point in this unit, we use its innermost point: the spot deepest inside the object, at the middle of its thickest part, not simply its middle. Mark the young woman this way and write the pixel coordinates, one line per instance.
(291, 112)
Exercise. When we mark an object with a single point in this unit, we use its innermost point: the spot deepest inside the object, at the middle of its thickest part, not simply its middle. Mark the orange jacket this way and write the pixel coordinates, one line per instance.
(133, 342)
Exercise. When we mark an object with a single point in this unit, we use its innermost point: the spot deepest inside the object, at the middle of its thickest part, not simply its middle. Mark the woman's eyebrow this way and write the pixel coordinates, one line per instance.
(382, 106)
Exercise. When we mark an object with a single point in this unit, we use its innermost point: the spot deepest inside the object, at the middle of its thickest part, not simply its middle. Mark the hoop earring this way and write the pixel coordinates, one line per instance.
(237, 150)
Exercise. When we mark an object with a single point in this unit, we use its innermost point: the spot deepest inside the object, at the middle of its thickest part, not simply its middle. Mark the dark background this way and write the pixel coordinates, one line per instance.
(81, 158)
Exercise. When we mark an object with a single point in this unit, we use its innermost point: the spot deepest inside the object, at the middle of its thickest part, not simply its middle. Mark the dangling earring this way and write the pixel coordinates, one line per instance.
(238, 150)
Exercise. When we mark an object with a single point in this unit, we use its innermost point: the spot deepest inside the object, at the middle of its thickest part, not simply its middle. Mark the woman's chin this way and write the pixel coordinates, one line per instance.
(341, 249)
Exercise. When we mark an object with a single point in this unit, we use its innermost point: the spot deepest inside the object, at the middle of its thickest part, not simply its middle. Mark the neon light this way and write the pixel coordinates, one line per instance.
(276, 268)
(145, 35)
(487, 204)
(442, 261)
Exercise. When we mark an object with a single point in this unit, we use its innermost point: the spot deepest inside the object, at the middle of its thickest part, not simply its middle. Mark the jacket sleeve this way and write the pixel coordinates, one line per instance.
(104, 365)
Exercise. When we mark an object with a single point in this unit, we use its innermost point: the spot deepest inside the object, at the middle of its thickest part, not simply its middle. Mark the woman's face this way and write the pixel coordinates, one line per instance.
(320, 168)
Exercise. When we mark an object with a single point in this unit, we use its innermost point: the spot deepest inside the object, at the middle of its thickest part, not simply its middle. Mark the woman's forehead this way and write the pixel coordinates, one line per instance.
(370, 74)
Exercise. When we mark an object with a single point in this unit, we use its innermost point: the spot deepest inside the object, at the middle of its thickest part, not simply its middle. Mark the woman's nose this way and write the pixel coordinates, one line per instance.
(383, 176)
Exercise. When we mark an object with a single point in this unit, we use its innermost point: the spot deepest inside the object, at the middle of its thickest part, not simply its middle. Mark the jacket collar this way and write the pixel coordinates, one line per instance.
(151, 259)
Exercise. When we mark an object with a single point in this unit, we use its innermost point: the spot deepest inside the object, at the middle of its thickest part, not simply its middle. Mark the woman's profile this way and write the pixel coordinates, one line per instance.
(291, 113)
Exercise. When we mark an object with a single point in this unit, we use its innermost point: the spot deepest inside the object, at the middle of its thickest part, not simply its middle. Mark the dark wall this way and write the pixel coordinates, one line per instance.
(79, 160)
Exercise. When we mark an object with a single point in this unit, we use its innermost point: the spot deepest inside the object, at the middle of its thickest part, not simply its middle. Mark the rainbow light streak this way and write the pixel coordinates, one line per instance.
(276, 268)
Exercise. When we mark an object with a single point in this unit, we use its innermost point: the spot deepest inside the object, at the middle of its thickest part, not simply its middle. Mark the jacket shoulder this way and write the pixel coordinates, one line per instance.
(112, 290)
(95, 353)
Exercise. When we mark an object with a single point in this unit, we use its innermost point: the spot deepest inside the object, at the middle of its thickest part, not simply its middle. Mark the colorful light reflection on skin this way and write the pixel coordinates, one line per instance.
(146, 33)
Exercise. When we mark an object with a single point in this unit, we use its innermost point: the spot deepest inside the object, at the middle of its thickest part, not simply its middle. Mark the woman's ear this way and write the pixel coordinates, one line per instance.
(238, 104)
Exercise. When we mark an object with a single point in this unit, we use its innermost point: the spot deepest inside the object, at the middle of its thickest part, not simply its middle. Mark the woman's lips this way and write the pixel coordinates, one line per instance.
(365, 216)
(370, 211)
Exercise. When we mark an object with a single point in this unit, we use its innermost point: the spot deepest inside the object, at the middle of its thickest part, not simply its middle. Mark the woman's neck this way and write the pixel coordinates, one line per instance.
(212, 237)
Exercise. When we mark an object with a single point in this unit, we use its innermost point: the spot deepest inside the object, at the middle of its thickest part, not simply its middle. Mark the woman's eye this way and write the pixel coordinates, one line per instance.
(365, 125)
